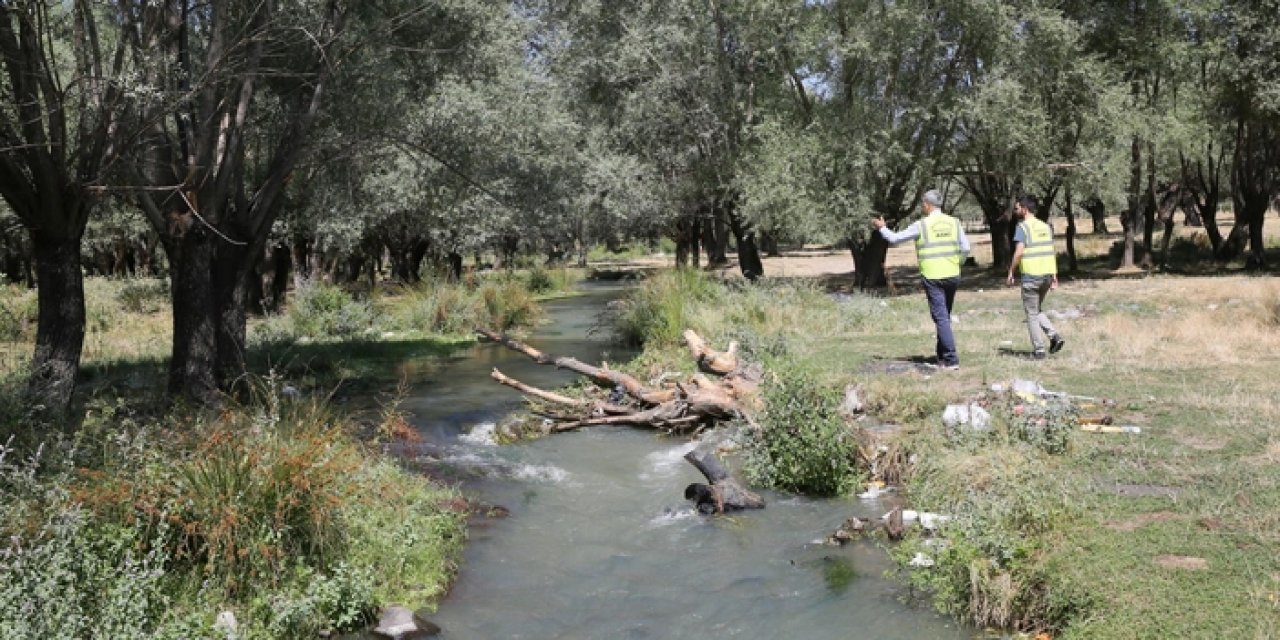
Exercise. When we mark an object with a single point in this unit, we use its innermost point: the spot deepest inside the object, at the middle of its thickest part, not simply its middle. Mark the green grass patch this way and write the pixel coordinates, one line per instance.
(143, 526)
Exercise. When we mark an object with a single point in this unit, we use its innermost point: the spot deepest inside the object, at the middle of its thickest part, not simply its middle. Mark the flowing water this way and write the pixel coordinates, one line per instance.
(600, 543)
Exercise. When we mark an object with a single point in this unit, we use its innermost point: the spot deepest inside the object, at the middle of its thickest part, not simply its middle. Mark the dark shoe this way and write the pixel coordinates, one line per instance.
(1037, 355)
(1056, 343)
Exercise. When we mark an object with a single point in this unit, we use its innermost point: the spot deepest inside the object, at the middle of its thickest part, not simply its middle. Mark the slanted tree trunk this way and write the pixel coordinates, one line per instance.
(60, 328)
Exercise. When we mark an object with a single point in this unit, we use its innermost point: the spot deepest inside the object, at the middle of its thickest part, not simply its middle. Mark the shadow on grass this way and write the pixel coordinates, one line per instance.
(355, 366)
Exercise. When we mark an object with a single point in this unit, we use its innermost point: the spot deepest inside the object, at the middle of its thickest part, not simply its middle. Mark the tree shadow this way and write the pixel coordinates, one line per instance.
(354, 366)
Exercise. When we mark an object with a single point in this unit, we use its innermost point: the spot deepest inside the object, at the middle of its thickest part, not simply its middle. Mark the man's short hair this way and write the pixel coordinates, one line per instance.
(1031, 203)
(933, 197)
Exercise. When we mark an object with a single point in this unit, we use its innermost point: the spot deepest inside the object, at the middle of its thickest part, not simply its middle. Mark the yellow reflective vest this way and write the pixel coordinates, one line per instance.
(938, 247)
(1039, 258)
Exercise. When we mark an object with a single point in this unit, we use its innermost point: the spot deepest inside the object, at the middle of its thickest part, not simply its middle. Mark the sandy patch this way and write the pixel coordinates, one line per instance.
(1141, 520)
(1182, 562)
(1201, 443)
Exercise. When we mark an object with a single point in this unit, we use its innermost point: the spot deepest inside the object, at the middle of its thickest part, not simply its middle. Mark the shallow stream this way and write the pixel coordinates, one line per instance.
(600, 543)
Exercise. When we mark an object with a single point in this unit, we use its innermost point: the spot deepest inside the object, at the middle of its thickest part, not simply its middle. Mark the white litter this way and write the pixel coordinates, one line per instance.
(921, 560)
(970, 415)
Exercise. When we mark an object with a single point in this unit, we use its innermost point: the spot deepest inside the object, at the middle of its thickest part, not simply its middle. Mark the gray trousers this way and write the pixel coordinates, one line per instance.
(1034, 289)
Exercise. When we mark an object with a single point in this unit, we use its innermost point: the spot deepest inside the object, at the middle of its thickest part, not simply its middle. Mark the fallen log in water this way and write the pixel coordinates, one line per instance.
(694, 403)
(724, 493)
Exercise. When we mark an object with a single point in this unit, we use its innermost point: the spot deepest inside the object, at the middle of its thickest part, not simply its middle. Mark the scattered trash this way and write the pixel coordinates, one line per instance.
(970, 415)
(852, 404)
(928, 521)
(921, 560)
(1106, 428)
(874, 490)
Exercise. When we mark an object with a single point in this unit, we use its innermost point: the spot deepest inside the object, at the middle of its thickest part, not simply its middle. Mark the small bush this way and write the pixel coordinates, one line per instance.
(802, 444)
(66, 576)
(322, 310)
(18, 314)
(144, 296)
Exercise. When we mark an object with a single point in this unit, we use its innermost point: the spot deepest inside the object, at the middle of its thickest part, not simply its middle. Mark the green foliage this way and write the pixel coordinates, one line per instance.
(988, 562)
(18, 313)
(499, 302)
(141, 528)
(144, 296)
(801, 444)
(661, 309)
(321, 310)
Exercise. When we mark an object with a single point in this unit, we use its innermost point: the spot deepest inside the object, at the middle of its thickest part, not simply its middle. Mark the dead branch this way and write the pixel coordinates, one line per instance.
(540, 394)
(599, 375)
(708, 359)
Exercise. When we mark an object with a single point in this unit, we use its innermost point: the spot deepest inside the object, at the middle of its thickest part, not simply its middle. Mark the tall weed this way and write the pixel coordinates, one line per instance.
(661, 309)
(321, 310)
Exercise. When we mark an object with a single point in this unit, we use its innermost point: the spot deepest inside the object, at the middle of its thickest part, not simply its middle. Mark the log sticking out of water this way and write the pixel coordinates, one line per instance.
(724, 493)
(686, 405)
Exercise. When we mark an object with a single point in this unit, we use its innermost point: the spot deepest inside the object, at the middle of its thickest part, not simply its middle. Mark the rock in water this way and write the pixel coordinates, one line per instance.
(400, 623)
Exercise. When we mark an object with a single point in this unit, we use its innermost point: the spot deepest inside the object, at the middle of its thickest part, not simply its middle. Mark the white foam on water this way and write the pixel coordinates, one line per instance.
(673, 516)
(540, 473)
(663, 464)
(481, 435)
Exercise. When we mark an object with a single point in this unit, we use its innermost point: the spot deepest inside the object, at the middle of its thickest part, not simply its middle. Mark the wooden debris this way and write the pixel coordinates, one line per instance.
(696, 402)
(724, 493)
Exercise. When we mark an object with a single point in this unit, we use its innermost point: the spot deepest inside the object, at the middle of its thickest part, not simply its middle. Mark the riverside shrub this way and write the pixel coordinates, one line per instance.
(802, 443)
(139, 527)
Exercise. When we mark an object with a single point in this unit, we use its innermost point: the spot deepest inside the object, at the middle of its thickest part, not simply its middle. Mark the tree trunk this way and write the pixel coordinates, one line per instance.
(1130, 218)
(1072, 264)
(720, 256)
(455, 266)
(868, 257)
(195, 329)
(748, 255)
(230, 293)
(769, 244)
(1002, 229)
(282, 263)
(60, 328)
(1097, 215)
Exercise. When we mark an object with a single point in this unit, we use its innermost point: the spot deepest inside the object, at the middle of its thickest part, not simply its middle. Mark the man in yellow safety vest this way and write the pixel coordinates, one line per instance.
(1037, 259)
(941, 247)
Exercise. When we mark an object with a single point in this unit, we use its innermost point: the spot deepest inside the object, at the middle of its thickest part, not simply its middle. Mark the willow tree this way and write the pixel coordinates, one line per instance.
(1251, 100)
(63, 91)
(251, 80)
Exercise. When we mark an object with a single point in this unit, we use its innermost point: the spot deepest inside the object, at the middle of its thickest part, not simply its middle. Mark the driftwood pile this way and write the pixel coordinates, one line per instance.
(725, 389)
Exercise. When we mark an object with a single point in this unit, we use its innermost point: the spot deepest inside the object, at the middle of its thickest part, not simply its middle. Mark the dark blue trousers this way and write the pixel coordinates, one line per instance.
(941, 295)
